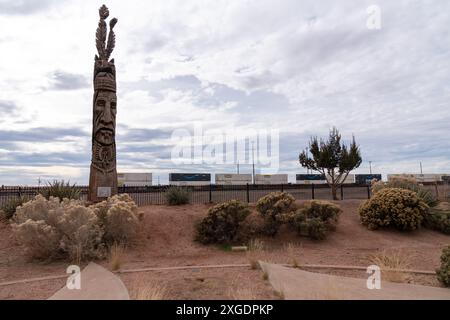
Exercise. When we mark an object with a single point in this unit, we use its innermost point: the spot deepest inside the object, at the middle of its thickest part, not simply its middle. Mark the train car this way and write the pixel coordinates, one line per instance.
(271, 179)
(224, 179)
(311, 179)
(349, 180)
(367, 178)
(421, 178)
(445, 178)
(134, 179)
(189, 179)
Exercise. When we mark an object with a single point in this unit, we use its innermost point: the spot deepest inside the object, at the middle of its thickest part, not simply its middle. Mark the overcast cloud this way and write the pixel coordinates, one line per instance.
(297, 66)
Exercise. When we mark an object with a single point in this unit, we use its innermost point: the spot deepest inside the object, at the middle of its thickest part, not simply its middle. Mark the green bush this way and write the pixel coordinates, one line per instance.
(443, 273)
(8, 208)
(393, 207)
(316, 219)
(438, 220)
(177, 196)
(276, 208)
(407, 183)
(222, 223)
(61, 190)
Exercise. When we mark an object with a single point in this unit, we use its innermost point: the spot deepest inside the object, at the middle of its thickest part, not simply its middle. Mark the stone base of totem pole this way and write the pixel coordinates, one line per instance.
(101, 185)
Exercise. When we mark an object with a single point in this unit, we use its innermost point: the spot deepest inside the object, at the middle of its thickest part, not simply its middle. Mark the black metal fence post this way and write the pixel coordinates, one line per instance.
(342, 192)
(368, 192)
(312, 191)
(210, 193)
(282, 189)
(248, 193)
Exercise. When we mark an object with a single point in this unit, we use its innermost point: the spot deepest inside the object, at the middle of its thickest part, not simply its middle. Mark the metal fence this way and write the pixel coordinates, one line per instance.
(217, 193)
(147, 195)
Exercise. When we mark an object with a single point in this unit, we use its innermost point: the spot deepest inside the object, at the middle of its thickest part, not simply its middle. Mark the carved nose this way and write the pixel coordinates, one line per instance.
(107, 117)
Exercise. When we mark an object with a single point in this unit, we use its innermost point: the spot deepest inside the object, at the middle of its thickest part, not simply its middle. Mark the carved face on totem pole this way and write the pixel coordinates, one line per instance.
(103, 165)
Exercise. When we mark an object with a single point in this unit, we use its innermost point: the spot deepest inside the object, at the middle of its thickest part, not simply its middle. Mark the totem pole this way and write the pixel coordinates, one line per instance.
(103, 175)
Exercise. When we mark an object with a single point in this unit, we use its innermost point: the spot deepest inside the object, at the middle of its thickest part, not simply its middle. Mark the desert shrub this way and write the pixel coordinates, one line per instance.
(119, 218)
(68, 229)
(408, 183)
(61, 190)
(393, 207)
(316, 219)
(222, 223)
(439, 220)
(443, 273)
(276, 208)
(50, 229)
(8, 208)
(177, 196)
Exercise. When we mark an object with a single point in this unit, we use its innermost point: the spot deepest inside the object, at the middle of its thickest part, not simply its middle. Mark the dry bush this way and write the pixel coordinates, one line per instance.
(276, 209)
(443, 273)
(116, 254)
(50, 228)
(68, 229)
(395, 207)
(148, 290)
(119, 218)
(389, 264)
(222, 223)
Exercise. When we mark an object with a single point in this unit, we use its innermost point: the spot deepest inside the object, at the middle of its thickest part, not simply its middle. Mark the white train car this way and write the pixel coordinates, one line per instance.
(134, 179)
(421, 178)
(271, 179)
(349, 180)
(224, 179)
(189, 179)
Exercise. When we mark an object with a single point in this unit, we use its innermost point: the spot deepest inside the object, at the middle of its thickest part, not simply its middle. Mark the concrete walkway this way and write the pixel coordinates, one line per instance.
(295, 284)
(97, 283)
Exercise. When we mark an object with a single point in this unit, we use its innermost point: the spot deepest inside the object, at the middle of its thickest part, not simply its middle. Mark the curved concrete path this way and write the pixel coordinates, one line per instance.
(97, 283)
(295, 284)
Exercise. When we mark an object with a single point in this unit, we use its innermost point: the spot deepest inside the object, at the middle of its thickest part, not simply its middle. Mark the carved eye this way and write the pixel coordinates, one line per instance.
(101, 103)
(113, 105)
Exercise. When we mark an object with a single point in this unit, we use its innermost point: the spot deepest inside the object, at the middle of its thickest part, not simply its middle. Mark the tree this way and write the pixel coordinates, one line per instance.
(332, 159)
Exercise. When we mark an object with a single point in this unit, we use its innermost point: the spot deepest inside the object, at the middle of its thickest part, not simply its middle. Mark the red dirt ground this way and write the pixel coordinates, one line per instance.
(167, 241)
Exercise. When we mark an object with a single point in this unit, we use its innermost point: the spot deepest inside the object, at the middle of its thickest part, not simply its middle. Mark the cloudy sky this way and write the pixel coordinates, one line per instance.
(296, 66)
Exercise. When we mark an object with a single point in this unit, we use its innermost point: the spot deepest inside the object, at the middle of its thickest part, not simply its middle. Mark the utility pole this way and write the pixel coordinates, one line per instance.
(238, 167)
(421, 169)
(370, 166)
(253, 160)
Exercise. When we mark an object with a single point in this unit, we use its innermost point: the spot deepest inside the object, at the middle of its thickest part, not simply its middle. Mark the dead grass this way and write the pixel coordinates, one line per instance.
(291, 250)
(255, 253)
(390, 263)
(116, 255)
(148, 290)
(242, 293)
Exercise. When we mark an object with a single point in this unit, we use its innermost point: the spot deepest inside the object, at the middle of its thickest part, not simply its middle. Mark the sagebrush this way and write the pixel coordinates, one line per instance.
(8, 208)
(221, 225)
(393, 207)
(316, 219)
(177, 196)
(276, 208)
(408, 183)
(443, 273)
(52, 228)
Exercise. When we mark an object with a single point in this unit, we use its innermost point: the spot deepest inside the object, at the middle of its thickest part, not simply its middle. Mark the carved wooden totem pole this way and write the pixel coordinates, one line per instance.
(103, 175)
